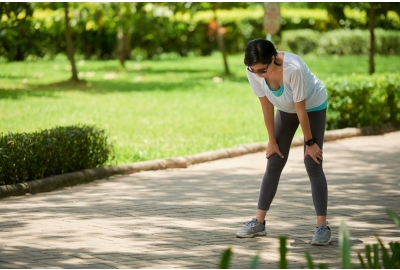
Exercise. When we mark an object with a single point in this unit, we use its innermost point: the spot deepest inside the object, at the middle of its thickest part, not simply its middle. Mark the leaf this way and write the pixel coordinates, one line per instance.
(254, 262)
(225, 259)
(344, 244)
(394, 217)
(310, 262)
(385, 255)
(283, 251)
(376, 257)
(362, 261)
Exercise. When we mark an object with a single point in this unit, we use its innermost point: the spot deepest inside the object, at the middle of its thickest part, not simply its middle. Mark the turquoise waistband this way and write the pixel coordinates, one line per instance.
(320, 107)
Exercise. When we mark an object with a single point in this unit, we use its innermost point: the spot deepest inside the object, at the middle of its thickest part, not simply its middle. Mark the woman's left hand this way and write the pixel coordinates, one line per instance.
(314, 152)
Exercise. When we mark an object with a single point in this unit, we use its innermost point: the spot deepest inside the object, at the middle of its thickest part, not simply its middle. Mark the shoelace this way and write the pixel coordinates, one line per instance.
(321, 228)
(252, 223)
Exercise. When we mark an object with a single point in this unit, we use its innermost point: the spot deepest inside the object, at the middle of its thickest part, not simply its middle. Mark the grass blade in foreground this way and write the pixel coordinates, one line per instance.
(394, 217)
(225, 259)
(344, 244)
(283, 251)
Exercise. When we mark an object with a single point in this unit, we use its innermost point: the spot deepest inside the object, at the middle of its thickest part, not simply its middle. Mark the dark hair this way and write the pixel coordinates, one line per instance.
(260, 51)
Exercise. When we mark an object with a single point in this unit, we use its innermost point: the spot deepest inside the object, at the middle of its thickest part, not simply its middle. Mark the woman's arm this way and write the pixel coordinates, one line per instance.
(268, 112)
(313, 151)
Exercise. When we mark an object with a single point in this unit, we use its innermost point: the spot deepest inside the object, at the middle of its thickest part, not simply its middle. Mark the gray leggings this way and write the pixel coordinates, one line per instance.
(286, 125)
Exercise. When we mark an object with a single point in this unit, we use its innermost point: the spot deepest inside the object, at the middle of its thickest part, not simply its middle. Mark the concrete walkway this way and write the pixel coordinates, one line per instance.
(186, 218)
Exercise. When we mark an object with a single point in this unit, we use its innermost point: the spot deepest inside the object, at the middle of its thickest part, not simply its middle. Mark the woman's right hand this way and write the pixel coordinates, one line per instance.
(273, 148)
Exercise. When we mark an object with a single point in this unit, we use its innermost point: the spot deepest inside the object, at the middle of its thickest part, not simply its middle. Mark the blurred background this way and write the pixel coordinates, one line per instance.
(138, 31)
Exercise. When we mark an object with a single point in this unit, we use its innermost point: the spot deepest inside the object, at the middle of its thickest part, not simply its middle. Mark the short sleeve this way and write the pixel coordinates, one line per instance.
(298, 83)
(255, 84)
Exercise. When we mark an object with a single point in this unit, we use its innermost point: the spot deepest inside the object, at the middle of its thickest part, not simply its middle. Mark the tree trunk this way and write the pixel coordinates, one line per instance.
(220, 42)
(371, 26)
(123, 50)
(70, 48)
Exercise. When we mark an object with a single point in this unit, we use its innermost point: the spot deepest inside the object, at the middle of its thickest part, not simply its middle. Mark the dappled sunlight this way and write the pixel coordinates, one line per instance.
(186, 218)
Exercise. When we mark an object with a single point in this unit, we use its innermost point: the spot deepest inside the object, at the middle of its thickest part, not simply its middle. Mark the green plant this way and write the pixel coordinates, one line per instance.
(344, 245)
(301, 41)
(225, 259)
(282, 251)
(390, 257)
(30, 156)
(363, 101)
(227, 256)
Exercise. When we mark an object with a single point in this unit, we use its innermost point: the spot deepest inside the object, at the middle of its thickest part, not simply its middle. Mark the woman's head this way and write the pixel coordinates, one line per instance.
(260, 51)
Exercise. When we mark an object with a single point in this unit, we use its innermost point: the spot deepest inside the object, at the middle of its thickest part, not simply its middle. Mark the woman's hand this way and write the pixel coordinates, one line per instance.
(273, 148)
(314, 152)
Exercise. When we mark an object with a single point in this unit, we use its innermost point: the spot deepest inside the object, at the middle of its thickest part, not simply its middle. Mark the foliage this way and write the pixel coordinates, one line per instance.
(343, 42)
(301, 41)
(344, 246)
(282, 250)
(16, 30)
(363, 101)
(225, 259)
(156, 28)
(390, 258)
(340, 42)
(29, 156)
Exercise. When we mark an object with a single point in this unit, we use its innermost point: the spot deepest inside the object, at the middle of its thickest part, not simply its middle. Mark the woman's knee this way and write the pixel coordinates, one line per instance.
(275, 162)
(311, 166)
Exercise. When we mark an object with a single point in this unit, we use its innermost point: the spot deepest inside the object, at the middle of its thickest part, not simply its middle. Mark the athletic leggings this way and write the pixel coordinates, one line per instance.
(286, 125)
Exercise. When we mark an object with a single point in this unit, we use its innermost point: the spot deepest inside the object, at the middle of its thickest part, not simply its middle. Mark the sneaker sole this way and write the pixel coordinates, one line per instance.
(264, 233)
(316, 243)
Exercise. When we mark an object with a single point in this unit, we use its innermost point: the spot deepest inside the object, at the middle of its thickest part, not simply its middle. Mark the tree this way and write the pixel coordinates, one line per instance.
(217, 30)
(15, 30)
(70, 48)
(374, 10)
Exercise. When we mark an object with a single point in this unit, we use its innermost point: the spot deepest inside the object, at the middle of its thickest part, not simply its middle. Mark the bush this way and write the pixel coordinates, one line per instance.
(31, 156)
(301, 41)
(388, 42)
(343, 42)
(363, 101)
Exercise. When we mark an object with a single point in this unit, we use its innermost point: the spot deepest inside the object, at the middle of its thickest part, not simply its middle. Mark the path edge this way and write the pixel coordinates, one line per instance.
(74, 178)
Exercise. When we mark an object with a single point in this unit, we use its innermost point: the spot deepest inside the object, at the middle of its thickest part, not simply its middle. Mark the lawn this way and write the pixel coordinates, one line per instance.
(152, 109)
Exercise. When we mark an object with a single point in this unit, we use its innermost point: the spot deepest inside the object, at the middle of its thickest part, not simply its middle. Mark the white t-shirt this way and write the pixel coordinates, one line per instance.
(298, 84)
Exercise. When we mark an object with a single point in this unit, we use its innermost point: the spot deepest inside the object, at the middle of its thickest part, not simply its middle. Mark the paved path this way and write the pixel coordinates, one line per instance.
(185, 218)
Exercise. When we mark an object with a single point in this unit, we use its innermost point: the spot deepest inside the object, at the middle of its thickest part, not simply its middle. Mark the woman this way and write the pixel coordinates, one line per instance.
(282, 80)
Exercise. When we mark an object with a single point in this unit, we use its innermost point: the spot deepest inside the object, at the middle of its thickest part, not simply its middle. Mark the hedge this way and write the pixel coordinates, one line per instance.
(30, 156)
(363, 101)
(341, 41)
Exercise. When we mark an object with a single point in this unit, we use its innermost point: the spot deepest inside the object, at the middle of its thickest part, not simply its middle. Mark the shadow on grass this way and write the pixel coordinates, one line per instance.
(195, 79)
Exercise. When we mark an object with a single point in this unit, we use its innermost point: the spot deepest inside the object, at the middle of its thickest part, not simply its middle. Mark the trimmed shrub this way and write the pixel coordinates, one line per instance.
(30, 156)
(343, 42)
(301, 41)
(363, 101)
(388, 41)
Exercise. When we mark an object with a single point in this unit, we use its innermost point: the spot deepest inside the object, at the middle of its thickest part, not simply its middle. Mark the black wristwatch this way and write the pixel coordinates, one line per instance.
(310, 142)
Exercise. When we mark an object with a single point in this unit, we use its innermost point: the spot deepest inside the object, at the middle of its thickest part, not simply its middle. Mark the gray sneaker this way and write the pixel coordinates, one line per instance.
(322, 236)
(252, 228)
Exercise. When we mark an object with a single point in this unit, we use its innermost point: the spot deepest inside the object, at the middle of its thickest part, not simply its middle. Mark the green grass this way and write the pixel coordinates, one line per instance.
(152, 109)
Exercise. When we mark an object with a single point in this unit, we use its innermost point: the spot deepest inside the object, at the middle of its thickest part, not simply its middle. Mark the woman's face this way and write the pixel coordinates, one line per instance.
(259, 69)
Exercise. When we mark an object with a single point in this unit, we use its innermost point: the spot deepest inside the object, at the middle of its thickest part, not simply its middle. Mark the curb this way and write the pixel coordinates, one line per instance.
(70, 179)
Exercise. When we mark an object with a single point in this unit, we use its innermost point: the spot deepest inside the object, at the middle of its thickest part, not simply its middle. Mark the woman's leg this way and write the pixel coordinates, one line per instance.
(286, 125)
(319, 187)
